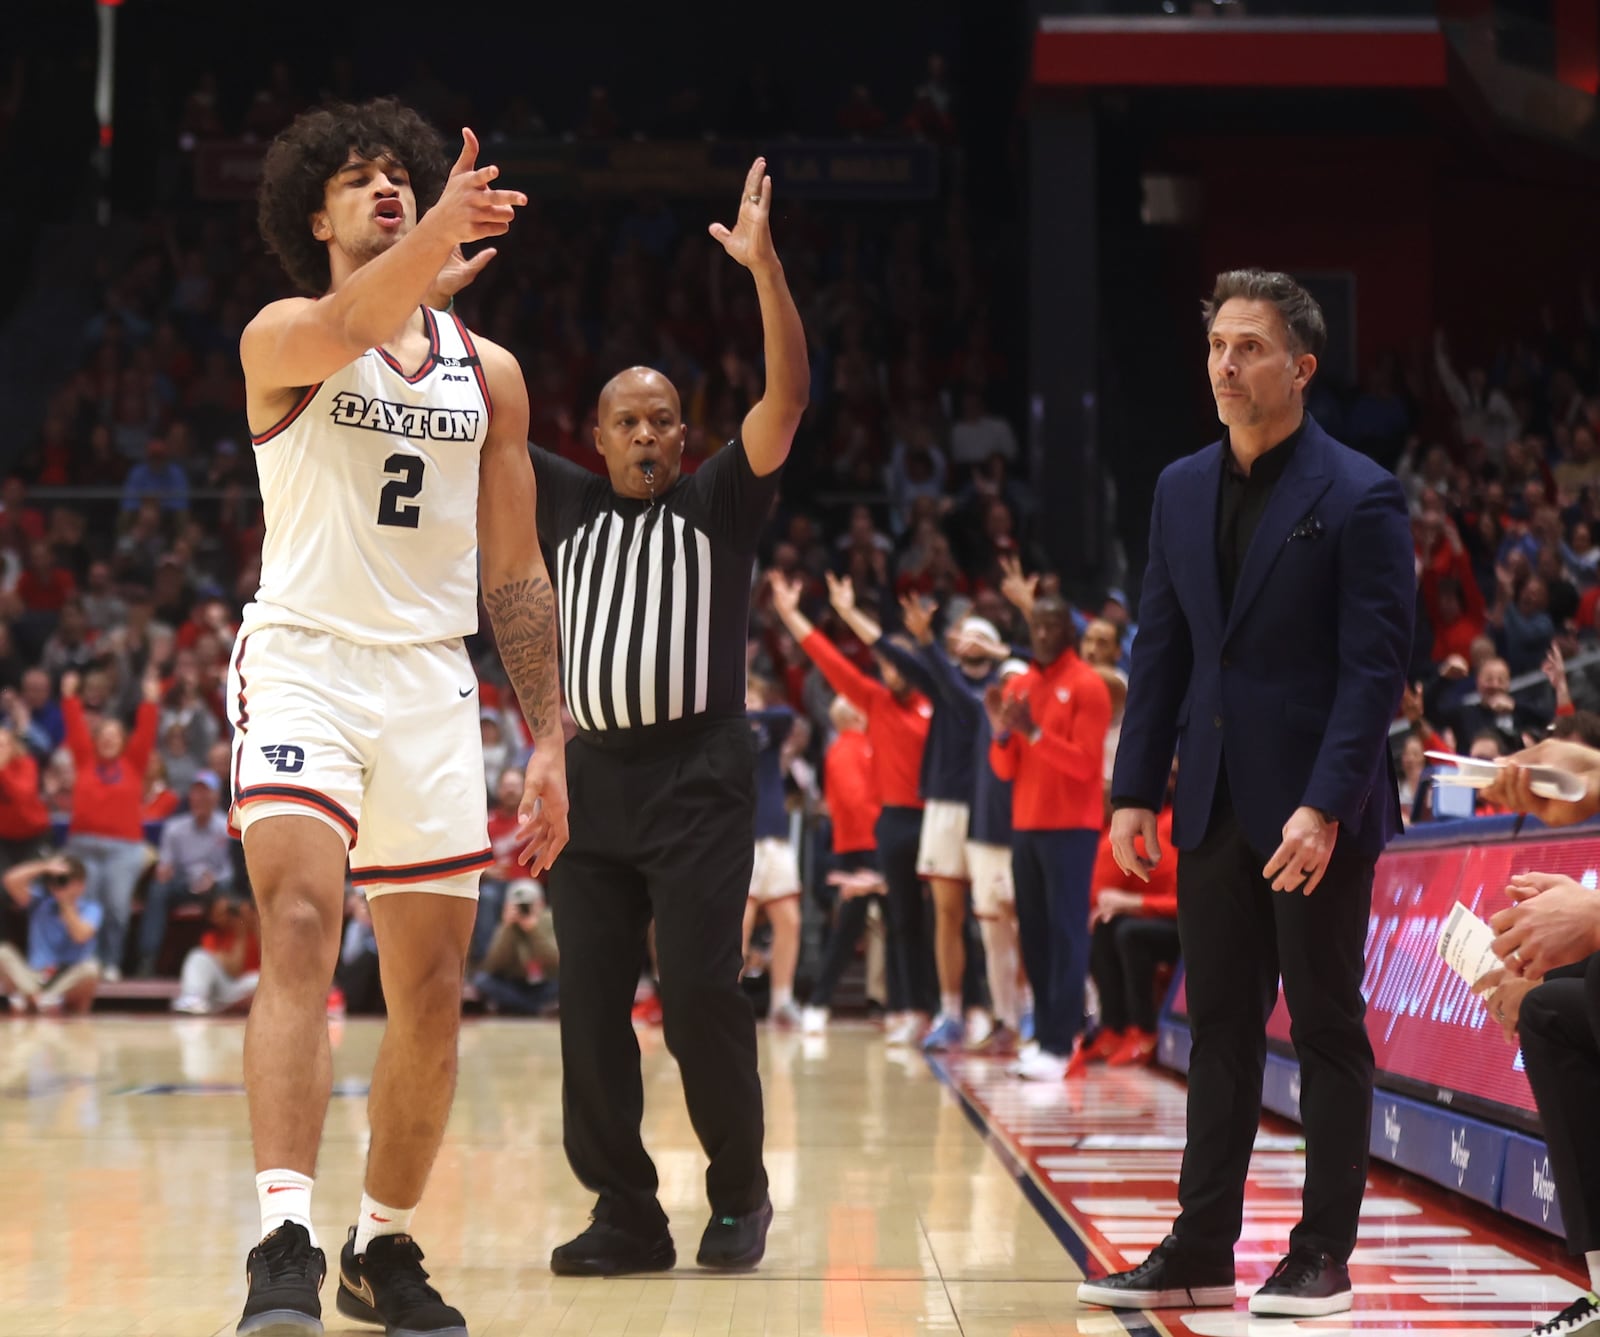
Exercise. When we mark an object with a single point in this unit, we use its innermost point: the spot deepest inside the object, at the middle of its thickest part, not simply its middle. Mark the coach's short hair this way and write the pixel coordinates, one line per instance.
(1308, 330)
(298, 165)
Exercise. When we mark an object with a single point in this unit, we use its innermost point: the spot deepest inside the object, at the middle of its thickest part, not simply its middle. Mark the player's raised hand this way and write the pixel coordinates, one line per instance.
(457, 272)
(542, 815)
(750, 241)
(469, 209)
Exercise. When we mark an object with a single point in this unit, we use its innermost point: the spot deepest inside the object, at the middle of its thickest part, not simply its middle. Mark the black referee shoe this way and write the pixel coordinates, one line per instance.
(285, 1274)
(386, 1285)
(736, 1243)
(605, 1250)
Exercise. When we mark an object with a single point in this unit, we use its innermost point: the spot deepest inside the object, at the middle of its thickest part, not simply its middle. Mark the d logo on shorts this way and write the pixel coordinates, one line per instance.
(286, 757)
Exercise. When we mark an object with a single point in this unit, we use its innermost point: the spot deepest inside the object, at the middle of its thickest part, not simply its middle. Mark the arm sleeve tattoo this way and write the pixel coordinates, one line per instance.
(523, 614)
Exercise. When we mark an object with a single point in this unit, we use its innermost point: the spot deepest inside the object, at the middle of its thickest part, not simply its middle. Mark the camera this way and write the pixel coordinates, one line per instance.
(58, 881)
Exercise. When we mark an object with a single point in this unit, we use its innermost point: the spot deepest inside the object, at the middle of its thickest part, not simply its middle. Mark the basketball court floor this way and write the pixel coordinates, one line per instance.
(912, 1197)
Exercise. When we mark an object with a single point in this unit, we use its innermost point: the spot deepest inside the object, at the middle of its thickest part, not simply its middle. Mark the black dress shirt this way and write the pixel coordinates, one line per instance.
(1241, 504)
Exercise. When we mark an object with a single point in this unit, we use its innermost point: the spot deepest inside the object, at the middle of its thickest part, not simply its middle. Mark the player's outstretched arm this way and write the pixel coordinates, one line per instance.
(300, 341)
(770, 425)
(522, 604)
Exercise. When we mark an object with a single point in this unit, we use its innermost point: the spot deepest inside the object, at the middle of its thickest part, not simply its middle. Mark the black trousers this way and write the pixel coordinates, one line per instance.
(848, 925)
(662, 829)
(1560, 1032)
(1052, 871)
(1237, 935)
(1123, 956)
(910, 943)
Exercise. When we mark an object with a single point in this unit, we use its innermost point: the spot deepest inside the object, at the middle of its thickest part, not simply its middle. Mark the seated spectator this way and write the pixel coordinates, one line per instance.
(520, 972)
(1412, 763)
(24, 819)
(15, 513)
(223, 971)
(60, 971)
(1524, 617)
(357, 975)
(71, 645)
(195, 862)
(978, 434)
(102, 605)
(1458, 618)
(45, 586)
(1134, 931)
(160, 479)
(160, 800)
(1497, 711)
(180, 764)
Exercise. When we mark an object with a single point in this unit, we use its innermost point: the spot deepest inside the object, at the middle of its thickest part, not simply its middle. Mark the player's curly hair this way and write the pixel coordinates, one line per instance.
(294, 176)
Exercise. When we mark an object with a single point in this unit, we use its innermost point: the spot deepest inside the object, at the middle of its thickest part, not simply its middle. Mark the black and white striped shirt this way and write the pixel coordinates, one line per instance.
(654, 597)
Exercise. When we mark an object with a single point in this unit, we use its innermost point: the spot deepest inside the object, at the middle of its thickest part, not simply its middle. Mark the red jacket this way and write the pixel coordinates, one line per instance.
(23, 815)
(108, 798)
(1058, 781)
(898, 731)
(1160, 893)
(850, 786)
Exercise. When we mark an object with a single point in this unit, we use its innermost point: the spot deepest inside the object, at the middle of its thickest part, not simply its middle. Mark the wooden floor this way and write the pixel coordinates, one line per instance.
(127, 1203)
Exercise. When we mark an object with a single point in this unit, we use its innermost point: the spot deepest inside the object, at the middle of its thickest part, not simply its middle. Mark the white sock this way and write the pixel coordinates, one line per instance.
(950, 1005)
(781, 997)
(376, 1219)
(1593, 1259)
(1000, 948)
(285, 1195)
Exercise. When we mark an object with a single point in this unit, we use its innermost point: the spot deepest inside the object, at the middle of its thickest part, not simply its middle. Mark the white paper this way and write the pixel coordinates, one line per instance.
(1467, 944)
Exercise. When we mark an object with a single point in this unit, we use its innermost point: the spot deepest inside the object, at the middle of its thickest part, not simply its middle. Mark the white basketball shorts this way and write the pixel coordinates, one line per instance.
(776, 872)
(380, 742)
(942, 849)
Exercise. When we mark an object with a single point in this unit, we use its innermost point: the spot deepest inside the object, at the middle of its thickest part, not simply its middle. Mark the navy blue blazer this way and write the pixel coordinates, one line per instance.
(1296, 686)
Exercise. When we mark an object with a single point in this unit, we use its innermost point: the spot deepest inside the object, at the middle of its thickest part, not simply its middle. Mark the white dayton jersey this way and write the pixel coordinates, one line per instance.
(369, 486)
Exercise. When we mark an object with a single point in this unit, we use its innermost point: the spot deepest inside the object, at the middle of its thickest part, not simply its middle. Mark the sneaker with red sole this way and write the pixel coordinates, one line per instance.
(1105, 1043)
(1137, 1048)
(1078, 1060)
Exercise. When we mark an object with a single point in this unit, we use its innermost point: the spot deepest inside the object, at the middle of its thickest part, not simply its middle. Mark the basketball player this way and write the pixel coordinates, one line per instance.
(388, 439)
(775, 875)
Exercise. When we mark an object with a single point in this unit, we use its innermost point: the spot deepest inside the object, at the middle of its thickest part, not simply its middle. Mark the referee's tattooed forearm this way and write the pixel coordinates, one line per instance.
(523, 614)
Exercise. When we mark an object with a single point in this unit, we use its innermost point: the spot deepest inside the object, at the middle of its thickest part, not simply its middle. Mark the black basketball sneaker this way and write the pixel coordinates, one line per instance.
(285, 1274)
(386, 1285)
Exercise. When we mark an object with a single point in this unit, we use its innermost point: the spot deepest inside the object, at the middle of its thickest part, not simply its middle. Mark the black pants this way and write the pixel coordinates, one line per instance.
(910, 944)
(1237, 935)
(848, 925)
(1052, 871)
(1123, 956)
(663, 828)
(1560, 1031)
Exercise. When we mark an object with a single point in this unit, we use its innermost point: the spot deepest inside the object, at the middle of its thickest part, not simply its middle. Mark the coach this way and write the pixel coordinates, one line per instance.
(652, 572)
(1274, 630)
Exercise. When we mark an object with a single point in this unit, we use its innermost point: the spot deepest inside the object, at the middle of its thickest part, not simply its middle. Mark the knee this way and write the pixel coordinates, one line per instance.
(689, 1007)
(300, 928)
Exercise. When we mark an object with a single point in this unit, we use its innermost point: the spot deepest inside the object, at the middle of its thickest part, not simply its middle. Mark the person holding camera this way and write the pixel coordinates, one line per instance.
(519, 971)
(223, 971)
(60, 971)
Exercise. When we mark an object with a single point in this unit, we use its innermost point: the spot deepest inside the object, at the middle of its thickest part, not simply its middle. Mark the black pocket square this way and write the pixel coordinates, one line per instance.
(1309, 528)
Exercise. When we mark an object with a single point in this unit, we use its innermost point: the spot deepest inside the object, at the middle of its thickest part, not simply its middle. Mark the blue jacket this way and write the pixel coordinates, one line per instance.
(1297, 685)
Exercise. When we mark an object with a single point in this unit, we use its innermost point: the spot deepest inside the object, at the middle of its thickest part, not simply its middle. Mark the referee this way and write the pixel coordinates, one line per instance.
(652, 575)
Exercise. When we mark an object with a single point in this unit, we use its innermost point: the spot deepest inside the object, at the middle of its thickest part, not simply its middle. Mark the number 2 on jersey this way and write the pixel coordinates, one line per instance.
(404, 488)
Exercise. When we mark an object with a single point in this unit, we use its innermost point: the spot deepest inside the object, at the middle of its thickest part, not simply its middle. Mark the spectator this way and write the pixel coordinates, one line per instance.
(179, 763)
(1412, 764)
(34, 716)
(498, 876)
(1525, 621)
(1458, 617)
(1135, 931)
(24, 819)
(195, 862)
(1496, 710)
(978, 435)
(222, 972)
(1482, 414)
(72, 645)
(107, 831)
(357, 975)
(520, 972)
(159, 479)
(60, 972)
(26, 522)
(104, 608)
(1581, 468)
(159, 800)
(46, 586)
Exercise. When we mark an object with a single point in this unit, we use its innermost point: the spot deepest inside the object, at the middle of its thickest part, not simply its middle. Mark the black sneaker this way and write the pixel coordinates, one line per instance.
(386, 1285)
(1581, 1318)
(285, 1274)
(1167, 1279)
(605, 1250)
(736, 1243)
(1306, 1284)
